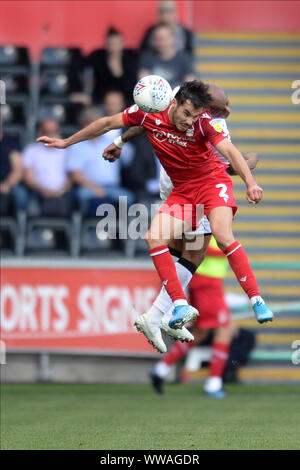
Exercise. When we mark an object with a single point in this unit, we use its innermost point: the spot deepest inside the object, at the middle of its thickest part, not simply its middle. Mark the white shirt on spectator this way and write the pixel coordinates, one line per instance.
(49, 165)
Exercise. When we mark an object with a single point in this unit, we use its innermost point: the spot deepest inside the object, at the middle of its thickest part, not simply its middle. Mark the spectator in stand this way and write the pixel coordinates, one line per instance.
(176, 67)
(13, 194)
(167, 14)
(114, 67)
(46, 176)
(97, 180)
(142, 175)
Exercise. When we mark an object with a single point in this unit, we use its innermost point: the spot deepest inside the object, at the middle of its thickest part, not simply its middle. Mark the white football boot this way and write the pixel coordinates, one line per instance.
(182, 334)
(151, 331)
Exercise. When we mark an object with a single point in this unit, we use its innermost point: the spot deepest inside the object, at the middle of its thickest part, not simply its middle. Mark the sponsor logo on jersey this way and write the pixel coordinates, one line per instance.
(214, 123)
(243, 279)
(157, 122)
(161, 136)
(205, 115)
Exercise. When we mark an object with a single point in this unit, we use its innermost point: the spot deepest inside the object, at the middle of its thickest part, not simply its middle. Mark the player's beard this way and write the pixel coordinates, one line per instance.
(175, 119)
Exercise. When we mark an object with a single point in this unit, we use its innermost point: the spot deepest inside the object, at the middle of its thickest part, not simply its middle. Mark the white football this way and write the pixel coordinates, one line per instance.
(152, 94)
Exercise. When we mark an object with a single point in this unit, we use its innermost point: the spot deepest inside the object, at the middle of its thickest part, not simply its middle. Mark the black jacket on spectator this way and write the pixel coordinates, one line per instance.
(105, 81)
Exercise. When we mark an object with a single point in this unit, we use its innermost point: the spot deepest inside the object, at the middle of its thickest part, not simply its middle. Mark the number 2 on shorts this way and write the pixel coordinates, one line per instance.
(222, 193)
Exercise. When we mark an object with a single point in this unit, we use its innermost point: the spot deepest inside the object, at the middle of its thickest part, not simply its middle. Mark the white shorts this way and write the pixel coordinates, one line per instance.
(203, 228)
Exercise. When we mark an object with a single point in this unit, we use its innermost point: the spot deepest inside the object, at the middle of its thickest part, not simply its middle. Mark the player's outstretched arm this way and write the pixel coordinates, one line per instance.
(113, 151)
(239, 165)
(93, 130)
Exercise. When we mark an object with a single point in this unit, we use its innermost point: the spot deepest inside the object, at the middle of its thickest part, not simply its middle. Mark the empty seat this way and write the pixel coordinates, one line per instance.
(15, 83)
(65, 114)
(55, 85)
(60, 57)
(11, 55)
(14, 121)
(13, 114)
(14, 58)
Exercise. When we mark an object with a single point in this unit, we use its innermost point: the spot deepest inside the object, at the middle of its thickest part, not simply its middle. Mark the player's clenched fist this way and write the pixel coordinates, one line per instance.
(111, 153)
(254, 194)
(52, 142)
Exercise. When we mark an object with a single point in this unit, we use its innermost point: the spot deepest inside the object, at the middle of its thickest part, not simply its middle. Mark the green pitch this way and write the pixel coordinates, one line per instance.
(133, 417)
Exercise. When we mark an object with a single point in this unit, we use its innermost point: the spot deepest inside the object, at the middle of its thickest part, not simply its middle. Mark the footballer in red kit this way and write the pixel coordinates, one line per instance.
(182, 137)
(197, 174)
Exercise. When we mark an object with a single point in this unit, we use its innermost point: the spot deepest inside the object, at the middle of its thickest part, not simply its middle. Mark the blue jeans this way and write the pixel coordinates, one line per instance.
(19, 195)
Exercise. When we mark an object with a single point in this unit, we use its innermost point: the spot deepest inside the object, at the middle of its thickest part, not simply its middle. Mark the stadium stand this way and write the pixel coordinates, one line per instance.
(257, 70)
(15, 71)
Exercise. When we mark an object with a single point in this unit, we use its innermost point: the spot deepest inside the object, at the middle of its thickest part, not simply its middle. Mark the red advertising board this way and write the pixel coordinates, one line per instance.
(75, 309)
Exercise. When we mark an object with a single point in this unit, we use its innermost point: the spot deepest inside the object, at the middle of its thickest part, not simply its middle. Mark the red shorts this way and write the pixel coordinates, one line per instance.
(186, 200)
(207, 296)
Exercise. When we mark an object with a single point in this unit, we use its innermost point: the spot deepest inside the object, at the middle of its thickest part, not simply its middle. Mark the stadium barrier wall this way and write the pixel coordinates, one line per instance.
(84, 23)
(73, 322)
(85, 309)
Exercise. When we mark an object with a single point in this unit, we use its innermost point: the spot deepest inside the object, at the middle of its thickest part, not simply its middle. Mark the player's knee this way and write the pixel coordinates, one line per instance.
(223, 239)
(152, 241)
(148, 239)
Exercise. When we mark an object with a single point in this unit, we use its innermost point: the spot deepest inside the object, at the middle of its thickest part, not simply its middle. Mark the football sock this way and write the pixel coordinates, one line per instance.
(177, 351)
(161, 369)
(185, 271)
(256, 298)
(155, 314)
(213, 384)
(166, 270)
(219, 356)
(239, 263)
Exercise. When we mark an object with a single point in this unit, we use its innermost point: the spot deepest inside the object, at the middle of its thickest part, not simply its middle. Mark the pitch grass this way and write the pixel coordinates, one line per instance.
(133, 417)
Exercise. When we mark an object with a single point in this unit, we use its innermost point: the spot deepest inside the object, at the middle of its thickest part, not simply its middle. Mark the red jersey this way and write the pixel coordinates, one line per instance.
(186, 156)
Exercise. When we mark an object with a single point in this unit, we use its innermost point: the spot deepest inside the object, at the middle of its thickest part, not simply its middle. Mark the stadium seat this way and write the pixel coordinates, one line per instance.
(14, 59)
(15, 82)
(66, 114)
(12, 114)
(58, 84)
(15, 228)
(14, 119)
(70, 227)
(60, 57)
(16, 92)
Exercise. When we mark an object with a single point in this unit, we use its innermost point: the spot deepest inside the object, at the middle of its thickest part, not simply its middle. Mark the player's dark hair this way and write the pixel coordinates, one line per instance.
(196, 92)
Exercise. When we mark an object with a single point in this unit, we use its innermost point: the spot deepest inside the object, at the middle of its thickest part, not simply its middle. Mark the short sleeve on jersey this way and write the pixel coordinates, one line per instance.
(133, 116)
